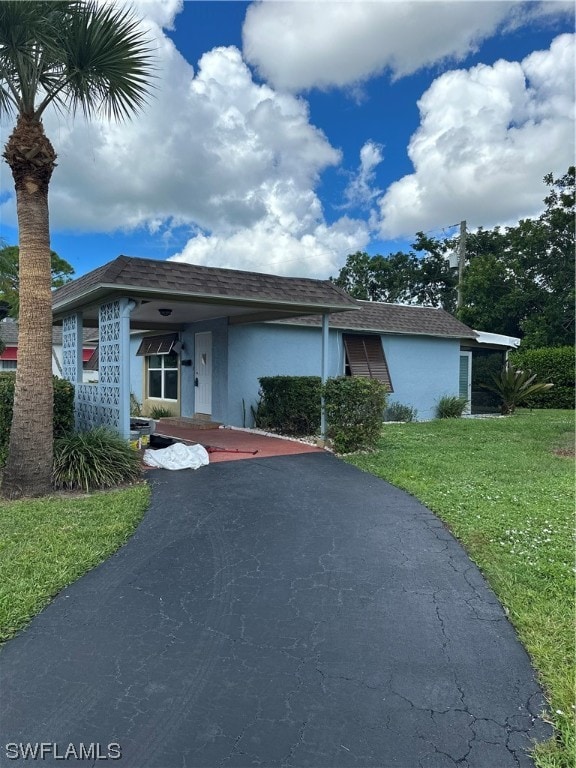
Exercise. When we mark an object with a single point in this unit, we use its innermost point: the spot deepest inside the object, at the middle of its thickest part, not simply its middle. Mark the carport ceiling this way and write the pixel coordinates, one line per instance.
(147, 315)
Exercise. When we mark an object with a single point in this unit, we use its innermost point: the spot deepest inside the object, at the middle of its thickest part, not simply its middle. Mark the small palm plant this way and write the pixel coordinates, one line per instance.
(514, 387)
(86, 461)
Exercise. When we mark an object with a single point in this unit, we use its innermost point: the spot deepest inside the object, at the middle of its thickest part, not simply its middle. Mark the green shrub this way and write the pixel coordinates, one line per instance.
(63, 409)
(514, 387)
(552, 364)
(289, 405)
(135, 405)
(354, 409)
(159, 412)
(399, 412)
(93, 460)
(450, 407)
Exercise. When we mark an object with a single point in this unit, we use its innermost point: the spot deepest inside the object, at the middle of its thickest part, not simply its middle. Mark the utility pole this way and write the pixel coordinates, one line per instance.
(461, 260)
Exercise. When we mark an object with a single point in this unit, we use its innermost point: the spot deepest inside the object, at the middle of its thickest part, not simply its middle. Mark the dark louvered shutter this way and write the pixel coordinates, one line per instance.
(365, 357)
(157, 345)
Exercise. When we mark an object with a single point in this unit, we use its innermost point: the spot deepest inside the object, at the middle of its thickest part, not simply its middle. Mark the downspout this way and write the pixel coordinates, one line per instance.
(124, 416)
(324, 372)
(56, 361)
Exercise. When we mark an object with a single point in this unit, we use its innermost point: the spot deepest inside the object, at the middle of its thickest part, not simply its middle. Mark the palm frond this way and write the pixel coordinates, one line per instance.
(27, 29)
(72, 54)
(107, 63)
(514, 386)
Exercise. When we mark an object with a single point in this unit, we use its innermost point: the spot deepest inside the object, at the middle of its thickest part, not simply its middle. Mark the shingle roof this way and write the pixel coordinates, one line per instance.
(9, 334)
(188, 280)
(394, 318)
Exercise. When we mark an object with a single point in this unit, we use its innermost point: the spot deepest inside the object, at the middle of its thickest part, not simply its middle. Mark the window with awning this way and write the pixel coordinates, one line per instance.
(162, 376)
(92, 360)
(365, 357)
(10, 353)
(157, 345)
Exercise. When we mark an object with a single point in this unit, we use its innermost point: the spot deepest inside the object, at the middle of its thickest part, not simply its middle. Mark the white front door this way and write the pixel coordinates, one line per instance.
(203, 373)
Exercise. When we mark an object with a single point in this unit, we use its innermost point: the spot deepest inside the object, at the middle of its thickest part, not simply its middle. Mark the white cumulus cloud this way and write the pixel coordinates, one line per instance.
(361, 190)
(281, 244)
(303, 45)
(236, 161)
(160, 12)
(487, 137)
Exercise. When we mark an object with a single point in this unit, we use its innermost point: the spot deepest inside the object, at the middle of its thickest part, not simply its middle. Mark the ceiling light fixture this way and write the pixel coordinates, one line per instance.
(165, 311)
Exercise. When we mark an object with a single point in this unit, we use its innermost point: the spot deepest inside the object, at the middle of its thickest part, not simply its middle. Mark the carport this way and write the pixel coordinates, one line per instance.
(166, 296)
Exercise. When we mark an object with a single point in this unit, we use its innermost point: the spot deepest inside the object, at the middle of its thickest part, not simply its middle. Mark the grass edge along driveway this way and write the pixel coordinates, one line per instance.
(505, 488)
(47, 543)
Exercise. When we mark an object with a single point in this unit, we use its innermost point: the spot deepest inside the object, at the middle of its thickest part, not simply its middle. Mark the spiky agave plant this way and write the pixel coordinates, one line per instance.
(514, 386)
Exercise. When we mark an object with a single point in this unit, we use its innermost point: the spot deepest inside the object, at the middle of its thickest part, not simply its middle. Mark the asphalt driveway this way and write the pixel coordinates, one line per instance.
(290, 611)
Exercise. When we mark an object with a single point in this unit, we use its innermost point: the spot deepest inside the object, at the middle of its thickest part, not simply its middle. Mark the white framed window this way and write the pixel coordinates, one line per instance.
(8, 365)
(162, 376)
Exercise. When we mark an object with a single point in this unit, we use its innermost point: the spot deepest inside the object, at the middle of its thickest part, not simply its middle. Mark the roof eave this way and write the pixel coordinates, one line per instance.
(91, 297)
(381, 331)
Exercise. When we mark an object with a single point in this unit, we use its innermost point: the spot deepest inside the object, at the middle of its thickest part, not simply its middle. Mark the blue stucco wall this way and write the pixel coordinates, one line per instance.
(136, 368)
(219, 330)
(272, 350)
(422, 369)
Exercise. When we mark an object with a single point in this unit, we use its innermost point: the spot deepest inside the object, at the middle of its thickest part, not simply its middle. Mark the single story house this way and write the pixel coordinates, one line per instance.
(196, 340)
(9, 355)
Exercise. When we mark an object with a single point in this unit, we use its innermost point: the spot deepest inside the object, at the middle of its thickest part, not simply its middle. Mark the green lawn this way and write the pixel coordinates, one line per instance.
(506, 494)
(46, 544)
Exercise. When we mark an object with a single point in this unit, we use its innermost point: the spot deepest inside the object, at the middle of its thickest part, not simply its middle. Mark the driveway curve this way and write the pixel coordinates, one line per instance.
(283, 612)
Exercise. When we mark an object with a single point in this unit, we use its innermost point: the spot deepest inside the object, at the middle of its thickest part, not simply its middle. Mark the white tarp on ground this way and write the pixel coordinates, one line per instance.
(177, 456)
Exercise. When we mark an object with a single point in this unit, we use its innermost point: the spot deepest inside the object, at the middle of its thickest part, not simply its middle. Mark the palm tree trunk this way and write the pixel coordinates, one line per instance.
(29, 467)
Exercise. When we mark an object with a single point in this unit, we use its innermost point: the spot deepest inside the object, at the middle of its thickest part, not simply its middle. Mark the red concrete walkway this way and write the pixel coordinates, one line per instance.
(236, 444)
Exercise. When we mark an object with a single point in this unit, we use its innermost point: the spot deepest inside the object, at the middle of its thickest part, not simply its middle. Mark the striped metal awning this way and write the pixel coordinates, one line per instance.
(10, 353)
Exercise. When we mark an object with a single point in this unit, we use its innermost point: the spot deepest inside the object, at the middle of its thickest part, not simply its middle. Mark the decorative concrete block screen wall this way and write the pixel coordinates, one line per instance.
(107, 402)
(109, 367)
(72, 348)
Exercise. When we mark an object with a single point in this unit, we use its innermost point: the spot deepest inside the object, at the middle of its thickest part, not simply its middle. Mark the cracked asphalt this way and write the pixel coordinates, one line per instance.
(283, 612)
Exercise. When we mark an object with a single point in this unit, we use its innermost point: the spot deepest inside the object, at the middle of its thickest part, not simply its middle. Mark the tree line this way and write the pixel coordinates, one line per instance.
(517, 280)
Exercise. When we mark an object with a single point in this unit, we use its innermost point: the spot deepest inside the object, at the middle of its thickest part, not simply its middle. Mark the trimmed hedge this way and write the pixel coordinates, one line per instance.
(289, 405)
(354, 412)
(63, 409)
(550, 364)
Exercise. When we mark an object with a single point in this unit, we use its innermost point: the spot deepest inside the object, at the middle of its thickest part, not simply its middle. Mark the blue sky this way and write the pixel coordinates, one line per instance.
(283, 136)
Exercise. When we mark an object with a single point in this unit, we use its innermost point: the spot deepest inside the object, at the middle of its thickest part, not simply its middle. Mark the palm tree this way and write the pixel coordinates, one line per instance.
(72, 55)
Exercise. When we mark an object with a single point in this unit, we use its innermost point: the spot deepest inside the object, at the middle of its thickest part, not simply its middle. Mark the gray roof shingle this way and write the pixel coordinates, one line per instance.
(188, 280)
(393, 318)
(9, 334)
